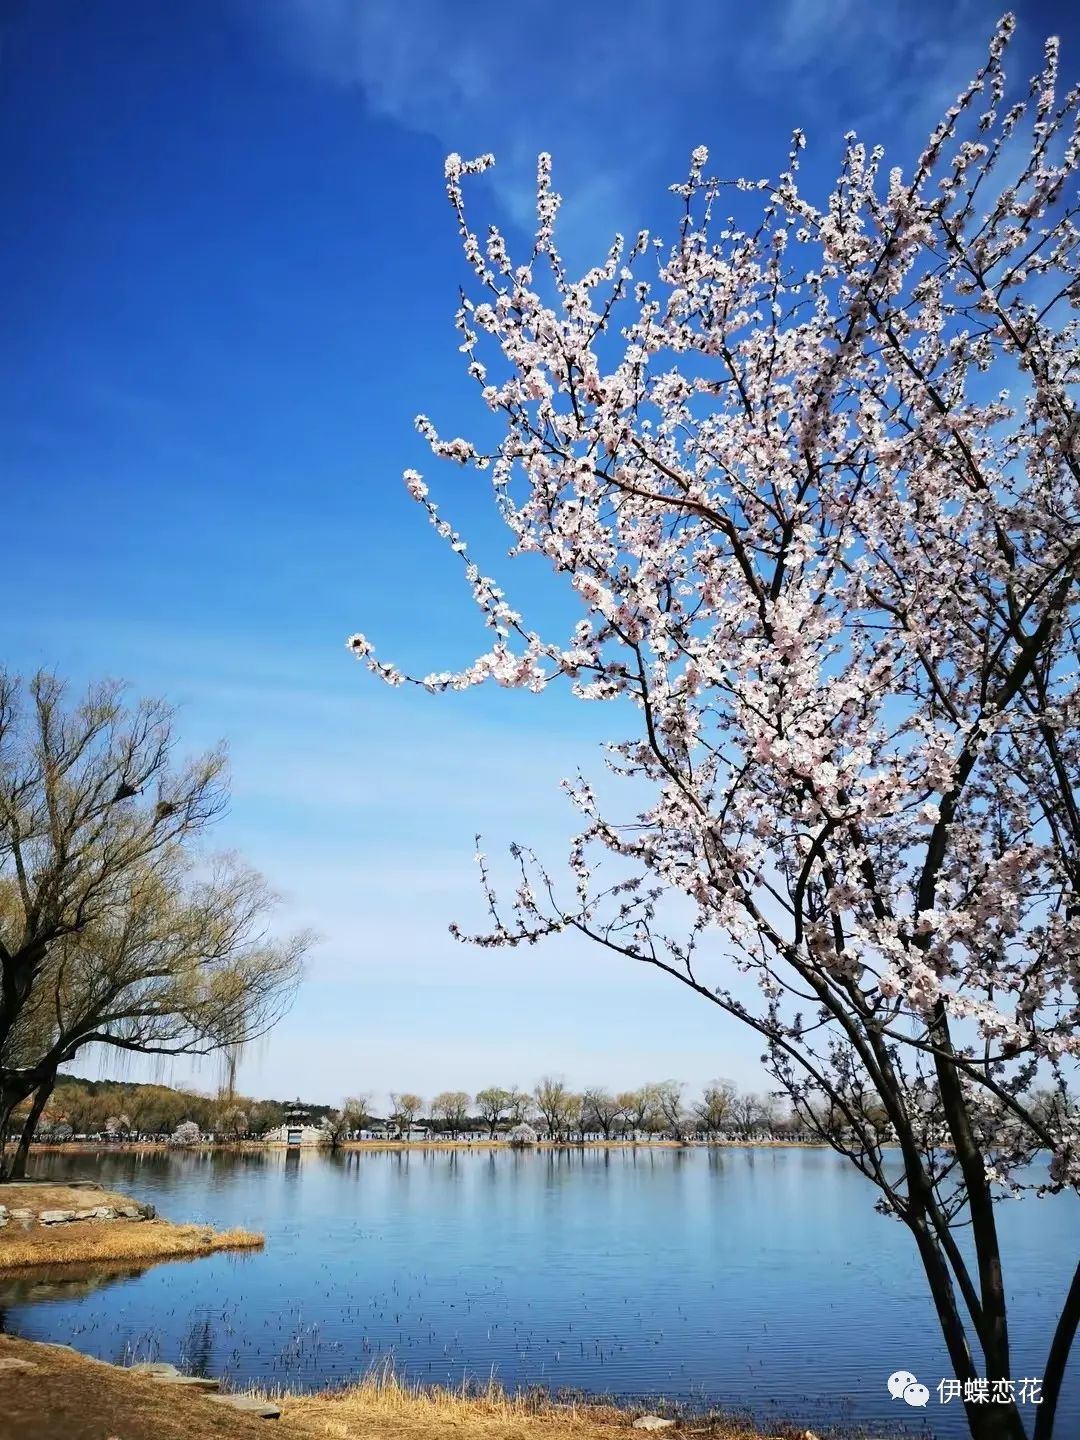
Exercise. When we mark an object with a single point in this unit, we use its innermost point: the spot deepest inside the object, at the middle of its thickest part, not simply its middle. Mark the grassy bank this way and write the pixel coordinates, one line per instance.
(90, 1242)
(56, 1394)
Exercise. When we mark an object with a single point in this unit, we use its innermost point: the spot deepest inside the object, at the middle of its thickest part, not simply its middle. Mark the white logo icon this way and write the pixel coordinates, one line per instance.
(904, 1386)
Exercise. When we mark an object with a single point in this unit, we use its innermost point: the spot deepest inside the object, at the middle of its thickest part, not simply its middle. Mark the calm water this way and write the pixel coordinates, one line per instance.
(752, 1278)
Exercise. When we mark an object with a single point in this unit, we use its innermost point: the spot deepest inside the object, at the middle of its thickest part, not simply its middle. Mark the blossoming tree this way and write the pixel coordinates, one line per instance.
(814, 476)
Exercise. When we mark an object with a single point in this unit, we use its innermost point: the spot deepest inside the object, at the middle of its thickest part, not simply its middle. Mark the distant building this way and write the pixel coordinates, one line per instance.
(386, 1130)
(297, 1129)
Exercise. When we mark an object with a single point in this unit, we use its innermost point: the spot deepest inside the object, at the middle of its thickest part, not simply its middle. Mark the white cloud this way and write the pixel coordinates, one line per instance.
(888, 70)
(495, 77)
(618, 90)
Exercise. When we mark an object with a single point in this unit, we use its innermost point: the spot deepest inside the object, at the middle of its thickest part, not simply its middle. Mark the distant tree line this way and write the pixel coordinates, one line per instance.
(657, 1110)
(126, 1110)
(660, 1109)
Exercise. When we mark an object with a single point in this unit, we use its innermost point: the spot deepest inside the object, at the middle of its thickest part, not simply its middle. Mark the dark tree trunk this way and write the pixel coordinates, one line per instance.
(41, 1099)
(993, 1421)
(17, 974)
(10, 1096)
(1058, 1358)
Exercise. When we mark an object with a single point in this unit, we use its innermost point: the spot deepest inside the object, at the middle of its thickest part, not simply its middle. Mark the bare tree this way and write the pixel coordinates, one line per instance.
(670, 1108)
(552, 1101)
(357, 1109)
(493, 1105)
(520, 1106)
(336, 1128)
(639, 1107)
(107, 934)
(452, 1108)
(747, 1111)
(604, 1109)
(576, 1117)
(87, 794)
(180, 964)
(713, 1110)
(404, 1108)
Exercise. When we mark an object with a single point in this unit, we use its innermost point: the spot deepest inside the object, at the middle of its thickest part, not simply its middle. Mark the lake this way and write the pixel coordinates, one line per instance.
(759, 1279)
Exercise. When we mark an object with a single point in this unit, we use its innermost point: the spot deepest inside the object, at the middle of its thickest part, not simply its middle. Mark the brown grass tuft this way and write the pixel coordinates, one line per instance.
(384, 1404)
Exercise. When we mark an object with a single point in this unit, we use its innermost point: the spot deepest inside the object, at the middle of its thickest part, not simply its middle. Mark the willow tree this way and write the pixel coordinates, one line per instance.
(519, 1107)
(451, 1108)
(714, 1110)
(554, 1105)
(603, 1109)
(812, 473)
(405, 1107)
(493, 1105)
(640, 1107)
(358, 1110)
(115, 929)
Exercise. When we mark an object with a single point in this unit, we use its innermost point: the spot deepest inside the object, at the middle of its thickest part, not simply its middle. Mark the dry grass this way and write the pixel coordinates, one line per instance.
(66, 1396)
(34, 1195)
(89, 1242)
(382, 1404)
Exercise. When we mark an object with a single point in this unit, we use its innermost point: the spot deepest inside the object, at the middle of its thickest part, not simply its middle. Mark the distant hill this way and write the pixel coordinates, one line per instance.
(93, 1106)
(97, 1087)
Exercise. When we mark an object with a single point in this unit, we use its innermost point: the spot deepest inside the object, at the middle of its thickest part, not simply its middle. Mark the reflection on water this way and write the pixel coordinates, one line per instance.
(737, 1277)
(60, 1282)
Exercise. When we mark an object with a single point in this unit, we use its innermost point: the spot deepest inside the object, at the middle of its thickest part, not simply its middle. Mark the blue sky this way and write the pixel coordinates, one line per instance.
(229, 282)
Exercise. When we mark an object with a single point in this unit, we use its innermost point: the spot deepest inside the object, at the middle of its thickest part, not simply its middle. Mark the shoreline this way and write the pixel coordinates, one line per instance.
(255, 1147)
(57, 1393)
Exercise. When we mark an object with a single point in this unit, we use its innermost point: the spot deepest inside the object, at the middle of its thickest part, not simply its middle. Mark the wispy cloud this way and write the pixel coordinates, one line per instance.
(888, 69)
(477, 80)
(622, 88)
